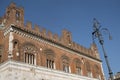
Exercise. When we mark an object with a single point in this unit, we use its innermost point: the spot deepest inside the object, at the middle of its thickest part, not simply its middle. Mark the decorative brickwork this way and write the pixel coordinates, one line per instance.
(38, 46)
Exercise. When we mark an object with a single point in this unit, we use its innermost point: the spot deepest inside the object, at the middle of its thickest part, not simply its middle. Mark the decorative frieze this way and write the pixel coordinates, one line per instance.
(49, 36)
(18, 34)
(82, 51)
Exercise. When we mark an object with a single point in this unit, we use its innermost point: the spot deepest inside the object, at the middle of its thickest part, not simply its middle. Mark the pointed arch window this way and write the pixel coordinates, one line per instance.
(50, 58)
(30, 52)
(78, 67)
(88, 68)
(29, 58)
(65, 64)
(50, 63)
(97, 72)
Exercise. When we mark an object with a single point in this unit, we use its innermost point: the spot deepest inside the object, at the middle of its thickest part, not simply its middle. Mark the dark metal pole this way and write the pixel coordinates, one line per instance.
(97, 34)
(107, 62)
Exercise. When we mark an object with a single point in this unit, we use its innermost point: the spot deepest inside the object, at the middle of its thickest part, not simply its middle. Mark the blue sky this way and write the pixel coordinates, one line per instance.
(77, 16)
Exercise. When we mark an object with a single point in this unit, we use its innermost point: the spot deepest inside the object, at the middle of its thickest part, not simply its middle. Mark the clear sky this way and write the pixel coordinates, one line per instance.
(77, 16)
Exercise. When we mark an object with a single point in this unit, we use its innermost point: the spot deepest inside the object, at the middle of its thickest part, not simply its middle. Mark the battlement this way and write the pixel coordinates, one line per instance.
(14, 15)
(64, 39)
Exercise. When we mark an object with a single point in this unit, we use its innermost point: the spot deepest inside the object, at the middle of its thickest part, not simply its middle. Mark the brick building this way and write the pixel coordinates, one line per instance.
(28, 53)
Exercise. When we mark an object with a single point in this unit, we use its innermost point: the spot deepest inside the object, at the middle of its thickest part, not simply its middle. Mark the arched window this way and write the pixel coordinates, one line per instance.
(97, 72)
(16, 47)
(65, 64)
(88, 68)
(78, 66)
(29, 58)
(17, 15)
(30, 52)
(50, 57)
(15, 44)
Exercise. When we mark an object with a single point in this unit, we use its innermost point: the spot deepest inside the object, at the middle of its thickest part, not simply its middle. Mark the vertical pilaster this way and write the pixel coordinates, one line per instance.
(10, 52)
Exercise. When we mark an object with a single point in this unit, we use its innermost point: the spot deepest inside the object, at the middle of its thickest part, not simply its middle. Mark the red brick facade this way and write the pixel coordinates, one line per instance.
(40, 47)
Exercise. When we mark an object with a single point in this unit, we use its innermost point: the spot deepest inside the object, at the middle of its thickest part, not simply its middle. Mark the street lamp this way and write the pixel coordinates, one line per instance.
(97, 34)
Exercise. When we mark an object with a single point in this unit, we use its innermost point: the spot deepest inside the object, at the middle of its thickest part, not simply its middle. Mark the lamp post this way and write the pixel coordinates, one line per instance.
(97, 34)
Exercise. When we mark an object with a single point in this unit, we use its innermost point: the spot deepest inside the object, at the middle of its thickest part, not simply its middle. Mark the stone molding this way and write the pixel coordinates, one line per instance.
(39, 38)
(17, 69)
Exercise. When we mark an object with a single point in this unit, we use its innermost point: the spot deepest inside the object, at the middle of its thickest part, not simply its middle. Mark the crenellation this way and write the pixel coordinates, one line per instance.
(75, 46)
(43, 32)
(40, 29)
(92, 54)
(36, 28)
(29, 25)
(82, 49)
(12, 5)
(49, 35)
(21, 8)
(94, 49)
(90, 51)
(79, 48)
(61, 41)
(66, 37)
(87, 51)
(56, 46)
(55, 37)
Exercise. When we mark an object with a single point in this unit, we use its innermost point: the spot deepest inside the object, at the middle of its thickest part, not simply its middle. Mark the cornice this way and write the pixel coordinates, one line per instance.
(38, 72)
(33, 35)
